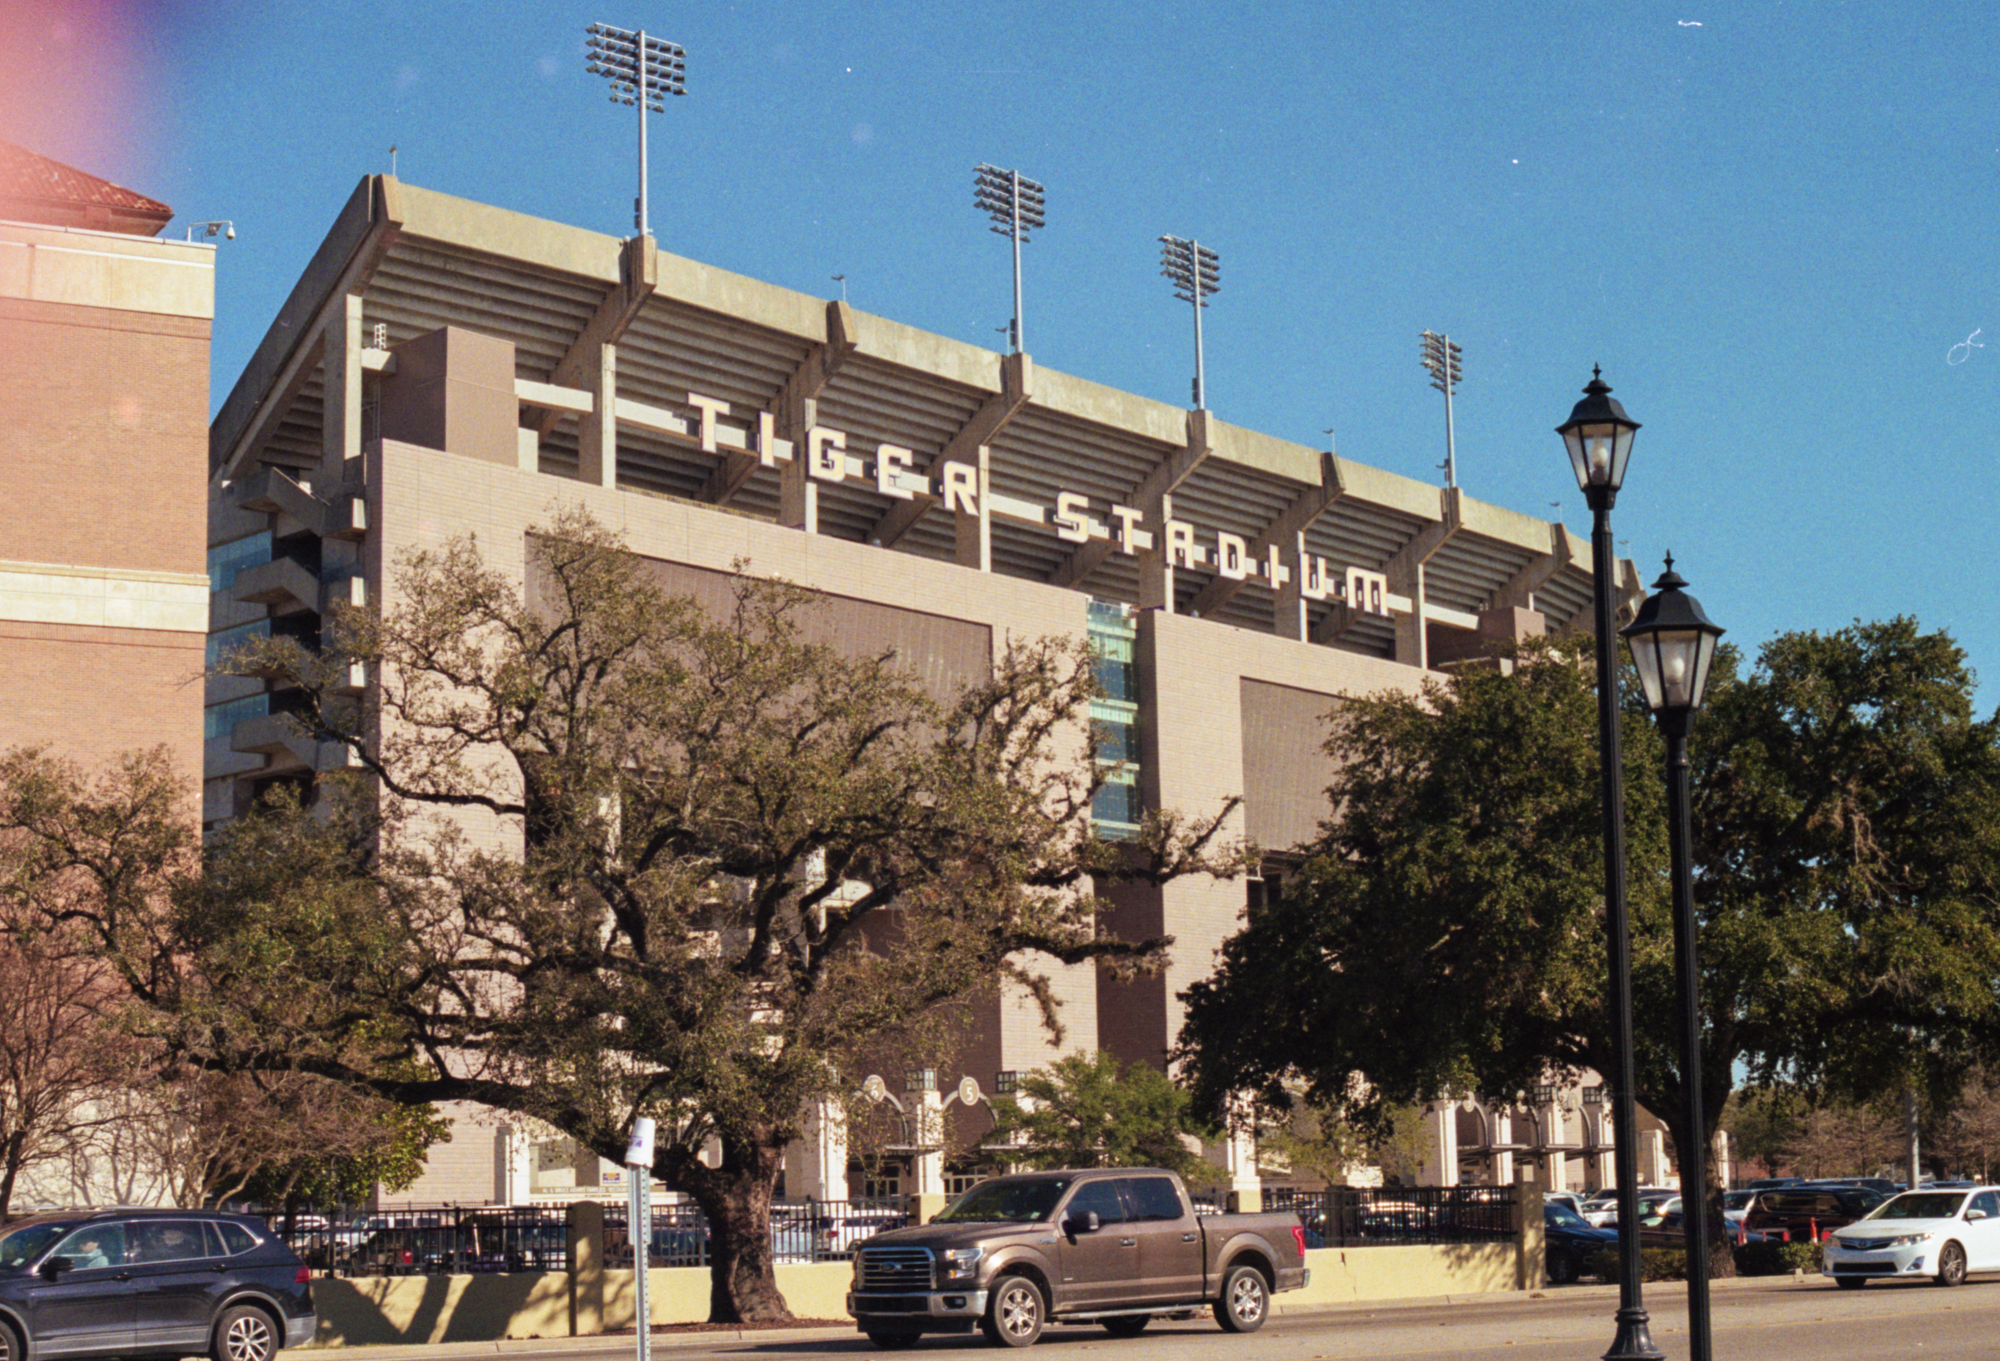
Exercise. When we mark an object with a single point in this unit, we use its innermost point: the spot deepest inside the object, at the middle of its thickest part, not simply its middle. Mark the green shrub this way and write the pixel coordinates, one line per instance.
(1655, 1264)
(1771, 1258)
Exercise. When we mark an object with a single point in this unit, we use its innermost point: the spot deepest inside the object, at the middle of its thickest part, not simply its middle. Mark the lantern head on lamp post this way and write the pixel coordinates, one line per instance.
(1599, 436)
(1673, 647)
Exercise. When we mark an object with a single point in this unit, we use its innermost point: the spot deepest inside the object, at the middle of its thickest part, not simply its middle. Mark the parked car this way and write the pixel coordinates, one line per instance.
(1800, 1213)
(1569, 1242)
(1601, 1210)
(839, 1236)
(1735, 1204)
(1942, 1235)
(1569, 1200)
(151, 1283)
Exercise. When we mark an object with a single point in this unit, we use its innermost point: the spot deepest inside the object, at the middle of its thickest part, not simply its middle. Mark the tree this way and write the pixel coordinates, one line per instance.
(1446, 932)
(603, 855)
(1087, 1111)
(62, 1054)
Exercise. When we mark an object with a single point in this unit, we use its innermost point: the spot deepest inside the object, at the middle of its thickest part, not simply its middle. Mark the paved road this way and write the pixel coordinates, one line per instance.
(1753, 1321)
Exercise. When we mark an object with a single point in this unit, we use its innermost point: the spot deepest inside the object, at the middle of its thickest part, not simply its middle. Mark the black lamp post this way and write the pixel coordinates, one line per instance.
(1599, 437)
(1673, 645)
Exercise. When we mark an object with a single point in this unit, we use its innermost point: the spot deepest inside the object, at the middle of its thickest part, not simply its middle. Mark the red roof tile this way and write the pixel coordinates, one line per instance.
(36, 189)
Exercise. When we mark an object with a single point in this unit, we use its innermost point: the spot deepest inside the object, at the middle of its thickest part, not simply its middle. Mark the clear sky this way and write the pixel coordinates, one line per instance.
(1771, 222)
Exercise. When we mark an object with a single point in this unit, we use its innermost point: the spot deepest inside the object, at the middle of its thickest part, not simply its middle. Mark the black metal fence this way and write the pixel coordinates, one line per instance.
(428, 1241)
(452, 1240)
(1360, 1216)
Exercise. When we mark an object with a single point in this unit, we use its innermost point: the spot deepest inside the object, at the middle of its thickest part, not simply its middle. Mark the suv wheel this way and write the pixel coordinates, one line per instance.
(1245, 1300)
(1014, 1313)
(244, 1333)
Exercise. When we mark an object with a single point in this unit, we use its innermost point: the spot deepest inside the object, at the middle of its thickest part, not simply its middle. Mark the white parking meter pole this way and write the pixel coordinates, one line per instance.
(639, 1228)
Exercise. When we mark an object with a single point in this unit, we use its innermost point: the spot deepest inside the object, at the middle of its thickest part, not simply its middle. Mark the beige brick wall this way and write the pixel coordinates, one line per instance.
(92, 693)
(104, 450)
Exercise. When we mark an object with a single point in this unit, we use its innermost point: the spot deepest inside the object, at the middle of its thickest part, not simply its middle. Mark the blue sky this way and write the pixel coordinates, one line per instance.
(1770, 222)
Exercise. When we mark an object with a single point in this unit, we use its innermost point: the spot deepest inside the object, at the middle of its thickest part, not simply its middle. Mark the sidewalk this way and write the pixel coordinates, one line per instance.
(703, 1336)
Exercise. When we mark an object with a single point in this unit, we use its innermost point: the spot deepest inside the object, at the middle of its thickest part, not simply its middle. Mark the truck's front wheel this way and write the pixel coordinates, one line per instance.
(1244, 1301)
(1014, 1312)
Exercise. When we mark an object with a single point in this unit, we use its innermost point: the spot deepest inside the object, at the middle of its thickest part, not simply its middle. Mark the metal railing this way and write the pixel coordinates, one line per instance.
(444, 1240)
(1361, 1216)
(428, 1241)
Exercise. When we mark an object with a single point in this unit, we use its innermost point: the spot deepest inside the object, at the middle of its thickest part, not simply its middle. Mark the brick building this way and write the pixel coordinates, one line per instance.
(446, 367)
(104, 335)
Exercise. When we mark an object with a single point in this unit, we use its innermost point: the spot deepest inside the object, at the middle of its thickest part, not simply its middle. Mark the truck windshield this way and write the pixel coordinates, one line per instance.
(1028, 1201)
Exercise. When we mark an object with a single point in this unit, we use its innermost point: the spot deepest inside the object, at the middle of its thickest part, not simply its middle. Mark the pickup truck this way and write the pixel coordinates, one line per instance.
(1117, 1247)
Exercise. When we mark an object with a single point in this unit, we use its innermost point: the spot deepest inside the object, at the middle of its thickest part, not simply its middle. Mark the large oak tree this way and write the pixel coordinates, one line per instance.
(1445, 933)
(602, 854)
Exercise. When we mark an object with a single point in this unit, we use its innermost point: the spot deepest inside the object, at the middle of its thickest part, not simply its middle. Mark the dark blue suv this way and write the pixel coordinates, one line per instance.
(149, 1283)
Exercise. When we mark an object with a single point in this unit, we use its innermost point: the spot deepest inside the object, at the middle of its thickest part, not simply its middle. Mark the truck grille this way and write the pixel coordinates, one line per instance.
(894, 1269)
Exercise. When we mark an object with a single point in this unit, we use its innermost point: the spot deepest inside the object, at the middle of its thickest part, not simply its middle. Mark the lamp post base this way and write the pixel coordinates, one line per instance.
(1635, 1339)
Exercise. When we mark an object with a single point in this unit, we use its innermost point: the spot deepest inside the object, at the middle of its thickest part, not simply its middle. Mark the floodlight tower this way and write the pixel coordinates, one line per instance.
(1014, 202)
(643, 71)
(1441, 357)
(1195, 271)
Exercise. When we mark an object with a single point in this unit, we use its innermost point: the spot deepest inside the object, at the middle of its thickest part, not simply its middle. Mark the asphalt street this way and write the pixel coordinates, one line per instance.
(1752, 1319)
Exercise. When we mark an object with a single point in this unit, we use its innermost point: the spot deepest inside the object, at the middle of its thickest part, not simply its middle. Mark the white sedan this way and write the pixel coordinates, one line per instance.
(1939, 1234)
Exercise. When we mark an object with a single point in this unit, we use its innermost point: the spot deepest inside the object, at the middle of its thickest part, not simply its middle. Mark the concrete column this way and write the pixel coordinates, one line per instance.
(816, 1166)
(597, 429)
(1441, 1159)
(798, 494)
(585, 1231)
(1531, 1248)
(340, 421)
(1502, 1160)
(513, 1167)
(975, 531)
(1156, 569)
(1239, 1158)
(927, 1167)
(1290, 618)
(1412, 643)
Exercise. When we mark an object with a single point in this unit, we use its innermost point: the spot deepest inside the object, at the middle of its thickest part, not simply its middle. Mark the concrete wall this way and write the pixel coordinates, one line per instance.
(428, 1309)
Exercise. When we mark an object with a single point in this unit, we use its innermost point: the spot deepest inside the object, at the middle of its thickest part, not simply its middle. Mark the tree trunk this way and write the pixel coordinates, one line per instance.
(15, 1143)
(736, 1197)
(1912, 1154)
(1721, 1254)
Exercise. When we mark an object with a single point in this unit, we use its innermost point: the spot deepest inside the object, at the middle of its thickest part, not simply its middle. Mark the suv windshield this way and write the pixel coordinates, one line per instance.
(1004, 1201)
(28, 1242)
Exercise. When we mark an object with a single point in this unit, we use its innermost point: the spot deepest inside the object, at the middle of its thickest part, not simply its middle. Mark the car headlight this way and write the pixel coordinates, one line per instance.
(959, 1263)
(1910, 1240)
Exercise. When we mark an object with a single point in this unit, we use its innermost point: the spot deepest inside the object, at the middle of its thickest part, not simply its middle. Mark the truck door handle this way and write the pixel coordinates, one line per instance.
(1128, 1242)
(1187, 1238)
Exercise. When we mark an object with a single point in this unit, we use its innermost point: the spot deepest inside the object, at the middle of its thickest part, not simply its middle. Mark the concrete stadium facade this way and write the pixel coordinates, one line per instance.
(445, 367)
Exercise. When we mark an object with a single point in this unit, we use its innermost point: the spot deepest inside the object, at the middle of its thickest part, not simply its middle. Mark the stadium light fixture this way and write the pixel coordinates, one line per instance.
(643, 71)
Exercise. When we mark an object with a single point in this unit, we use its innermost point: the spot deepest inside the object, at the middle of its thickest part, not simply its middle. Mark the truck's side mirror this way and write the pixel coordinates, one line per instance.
(56, 1266)
(1087, 1222)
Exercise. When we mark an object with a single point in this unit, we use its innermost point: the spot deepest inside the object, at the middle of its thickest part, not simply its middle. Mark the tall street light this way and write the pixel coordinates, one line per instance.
(1673, 645)
(1442, 358)
(1015, 203)
(1598, 435)
(643, 71)
(1195, 271)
